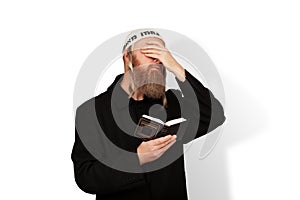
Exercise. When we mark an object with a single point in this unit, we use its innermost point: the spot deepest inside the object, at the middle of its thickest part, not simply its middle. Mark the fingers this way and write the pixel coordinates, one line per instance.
(165, 148)
(160, 140)
(153, 149)
(155, 51)
(152, 55)
(163, 144)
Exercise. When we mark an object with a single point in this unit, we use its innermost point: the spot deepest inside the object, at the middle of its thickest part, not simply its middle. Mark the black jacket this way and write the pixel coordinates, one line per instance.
(166, 182)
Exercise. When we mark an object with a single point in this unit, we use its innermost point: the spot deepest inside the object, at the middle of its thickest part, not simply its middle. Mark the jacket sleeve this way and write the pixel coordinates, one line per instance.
(94, 177)
(200, 107)
(91, 175)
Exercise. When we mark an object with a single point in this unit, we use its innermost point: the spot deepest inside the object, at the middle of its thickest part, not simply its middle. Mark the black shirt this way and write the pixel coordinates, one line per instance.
(117, 116)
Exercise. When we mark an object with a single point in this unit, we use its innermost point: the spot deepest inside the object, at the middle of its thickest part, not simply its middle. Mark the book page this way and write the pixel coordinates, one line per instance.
(175, 121)
(153, 119)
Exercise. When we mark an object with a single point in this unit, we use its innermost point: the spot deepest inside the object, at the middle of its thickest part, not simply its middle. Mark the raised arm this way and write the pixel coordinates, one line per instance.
(206, 109)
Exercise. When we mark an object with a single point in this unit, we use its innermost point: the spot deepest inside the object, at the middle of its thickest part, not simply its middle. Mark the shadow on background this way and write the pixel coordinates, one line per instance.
(209, 178)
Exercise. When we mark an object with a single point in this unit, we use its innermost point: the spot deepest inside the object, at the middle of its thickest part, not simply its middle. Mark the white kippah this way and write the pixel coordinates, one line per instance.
(139, 34)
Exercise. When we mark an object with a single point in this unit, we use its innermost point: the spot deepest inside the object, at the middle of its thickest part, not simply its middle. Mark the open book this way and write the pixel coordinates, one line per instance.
(149, 127)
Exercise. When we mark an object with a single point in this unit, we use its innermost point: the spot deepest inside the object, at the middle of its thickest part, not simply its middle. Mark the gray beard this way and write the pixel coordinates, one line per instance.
(150, 82)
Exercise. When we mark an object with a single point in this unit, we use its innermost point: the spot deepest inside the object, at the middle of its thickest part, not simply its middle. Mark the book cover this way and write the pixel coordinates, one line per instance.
(149, 127)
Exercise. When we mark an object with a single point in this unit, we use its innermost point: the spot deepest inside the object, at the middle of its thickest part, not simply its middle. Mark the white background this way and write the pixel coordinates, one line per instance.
(254, 44)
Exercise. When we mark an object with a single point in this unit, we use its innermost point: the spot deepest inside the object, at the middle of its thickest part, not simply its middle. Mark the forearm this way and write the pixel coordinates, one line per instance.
(177, 70)
(201, 105)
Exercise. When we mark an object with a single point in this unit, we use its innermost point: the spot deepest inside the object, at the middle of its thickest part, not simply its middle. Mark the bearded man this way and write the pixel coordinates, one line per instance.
(159, 162)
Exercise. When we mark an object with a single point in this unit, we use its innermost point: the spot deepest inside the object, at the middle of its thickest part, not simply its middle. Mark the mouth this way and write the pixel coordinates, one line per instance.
(155, 68)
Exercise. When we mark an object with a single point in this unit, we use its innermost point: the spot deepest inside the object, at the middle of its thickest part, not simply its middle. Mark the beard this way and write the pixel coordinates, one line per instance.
(150, 82)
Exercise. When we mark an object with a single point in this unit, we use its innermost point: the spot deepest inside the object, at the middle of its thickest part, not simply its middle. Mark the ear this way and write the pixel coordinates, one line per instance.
(125, 56)
(127, 61)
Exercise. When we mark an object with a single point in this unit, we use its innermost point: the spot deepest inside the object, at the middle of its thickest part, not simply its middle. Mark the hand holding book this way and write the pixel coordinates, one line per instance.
(151, 150)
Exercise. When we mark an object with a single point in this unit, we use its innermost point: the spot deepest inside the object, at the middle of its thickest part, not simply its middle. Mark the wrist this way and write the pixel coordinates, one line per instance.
(179, 72)
(140, 157)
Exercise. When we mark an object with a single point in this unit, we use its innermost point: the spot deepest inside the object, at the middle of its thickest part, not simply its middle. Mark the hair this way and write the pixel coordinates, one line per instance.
(131, 86)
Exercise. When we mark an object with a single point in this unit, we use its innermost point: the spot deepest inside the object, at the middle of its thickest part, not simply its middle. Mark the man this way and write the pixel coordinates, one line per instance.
(157, 166)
